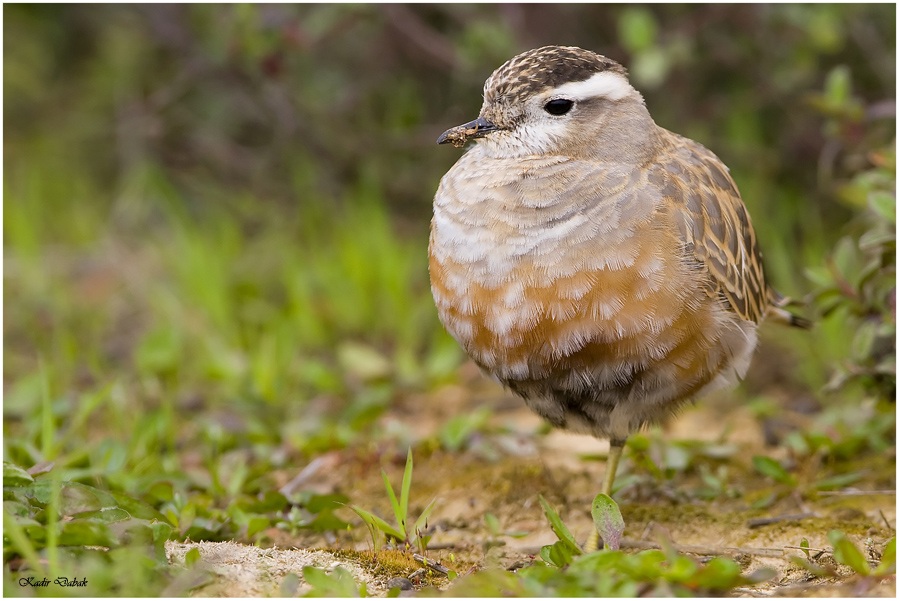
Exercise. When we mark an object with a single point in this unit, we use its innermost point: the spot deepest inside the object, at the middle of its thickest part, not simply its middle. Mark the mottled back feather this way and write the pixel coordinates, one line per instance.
(714, 224)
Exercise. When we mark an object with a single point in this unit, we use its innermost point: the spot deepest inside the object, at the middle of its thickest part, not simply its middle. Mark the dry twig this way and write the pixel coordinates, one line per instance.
(434, 565)
(758, 522)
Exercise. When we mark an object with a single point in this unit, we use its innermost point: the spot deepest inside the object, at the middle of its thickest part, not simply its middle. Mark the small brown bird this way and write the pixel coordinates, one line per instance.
(598, 265)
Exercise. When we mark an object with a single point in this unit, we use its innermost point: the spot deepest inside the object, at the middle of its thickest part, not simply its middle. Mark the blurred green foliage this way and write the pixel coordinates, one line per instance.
(303, 104)
(215, 229)
(264, 182)
(614, 574)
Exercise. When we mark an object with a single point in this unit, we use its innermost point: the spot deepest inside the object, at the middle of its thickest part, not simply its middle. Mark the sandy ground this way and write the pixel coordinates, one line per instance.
(502, 474)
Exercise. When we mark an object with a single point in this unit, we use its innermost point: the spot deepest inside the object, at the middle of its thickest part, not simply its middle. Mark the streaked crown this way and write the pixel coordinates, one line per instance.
(560, 100)
(536, 70)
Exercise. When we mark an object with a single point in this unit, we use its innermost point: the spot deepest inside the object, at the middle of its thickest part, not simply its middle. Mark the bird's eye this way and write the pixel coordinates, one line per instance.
(558, 106)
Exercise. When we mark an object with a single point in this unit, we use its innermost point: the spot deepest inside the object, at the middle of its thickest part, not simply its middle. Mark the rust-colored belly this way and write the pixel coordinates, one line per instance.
(647, 335)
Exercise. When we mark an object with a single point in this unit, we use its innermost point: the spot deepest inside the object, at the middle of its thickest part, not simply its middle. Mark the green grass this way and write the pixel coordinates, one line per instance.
(404, 530)
(146, 335)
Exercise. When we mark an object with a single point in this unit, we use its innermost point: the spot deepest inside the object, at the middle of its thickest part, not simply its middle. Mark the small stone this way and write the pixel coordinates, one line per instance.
(404, 584)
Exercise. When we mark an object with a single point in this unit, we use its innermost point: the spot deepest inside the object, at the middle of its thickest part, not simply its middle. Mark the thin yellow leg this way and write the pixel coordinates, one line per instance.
(615, 451)
(616, 448)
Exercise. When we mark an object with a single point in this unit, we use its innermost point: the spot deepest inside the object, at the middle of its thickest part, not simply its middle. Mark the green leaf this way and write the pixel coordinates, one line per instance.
(423, 518)
(397, 513)
(21, 541)
(863, 341)
(873, 241)
(559, 554)
(458, 430)
(80, 533)
(108, 515)
(607, 520)
(820, 277)
(339, 583)
(681, 569)
(558, 526)
(378, 523)
(887, 563)
(719, 574)
(838, 481)
(884, 204)
(324, 521)
(13, 475)
(319, 503)
(192, 557)
(136, 508)
(316, 577)
(162, 491)
(404, 492)
(492, 523)
(257, 524)
(771, 468)
(161, 531)
(846, 553)
(845, 257)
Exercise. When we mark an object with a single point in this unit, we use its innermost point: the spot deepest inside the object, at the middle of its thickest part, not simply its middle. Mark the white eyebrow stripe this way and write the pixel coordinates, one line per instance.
(607, 84)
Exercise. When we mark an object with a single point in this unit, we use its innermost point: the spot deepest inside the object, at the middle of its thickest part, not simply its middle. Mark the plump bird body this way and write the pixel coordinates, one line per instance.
(598, 265)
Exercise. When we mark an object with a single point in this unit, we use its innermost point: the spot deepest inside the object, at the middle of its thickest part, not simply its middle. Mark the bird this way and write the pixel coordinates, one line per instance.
(598, 265)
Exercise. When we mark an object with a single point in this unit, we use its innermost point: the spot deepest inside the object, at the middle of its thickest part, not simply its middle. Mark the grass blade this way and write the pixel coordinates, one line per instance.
(423, 518)
(888, 559)
(397, 511)
(557, 524)
(377, 522)
(846, 553)
(22, 543)
(404, 493)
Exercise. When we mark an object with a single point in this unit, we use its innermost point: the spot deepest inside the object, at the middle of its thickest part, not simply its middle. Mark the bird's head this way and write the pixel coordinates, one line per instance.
(558, 100)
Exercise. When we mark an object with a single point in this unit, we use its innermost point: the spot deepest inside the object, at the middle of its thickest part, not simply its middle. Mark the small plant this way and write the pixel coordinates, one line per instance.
(401, 532)
(863, 563)
(459, 430)
(857, 282)
(561, 552)
(767, 466)
(608, 521)
(611, 572)
(54, 526)
(867, 564)
(657, 464)
(338, 583)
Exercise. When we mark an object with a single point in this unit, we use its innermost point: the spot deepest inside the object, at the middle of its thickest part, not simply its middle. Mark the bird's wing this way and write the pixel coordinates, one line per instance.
(714, 225)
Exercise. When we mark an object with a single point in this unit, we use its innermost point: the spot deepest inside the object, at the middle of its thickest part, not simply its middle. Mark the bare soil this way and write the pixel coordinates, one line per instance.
(502, 473)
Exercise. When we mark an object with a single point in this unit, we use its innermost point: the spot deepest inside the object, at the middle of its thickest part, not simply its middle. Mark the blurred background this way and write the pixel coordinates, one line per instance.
(216, 217)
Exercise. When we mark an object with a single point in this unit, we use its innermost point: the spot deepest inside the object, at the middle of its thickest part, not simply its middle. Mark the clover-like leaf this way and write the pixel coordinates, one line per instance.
(608, 521)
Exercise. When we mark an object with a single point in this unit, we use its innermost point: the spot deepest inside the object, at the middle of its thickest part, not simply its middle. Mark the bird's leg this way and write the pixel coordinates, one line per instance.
(616, 448)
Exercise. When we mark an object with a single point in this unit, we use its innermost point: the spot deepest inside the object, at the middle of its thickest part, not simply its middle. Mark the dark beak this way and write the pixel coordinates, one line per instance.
(473, 129)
